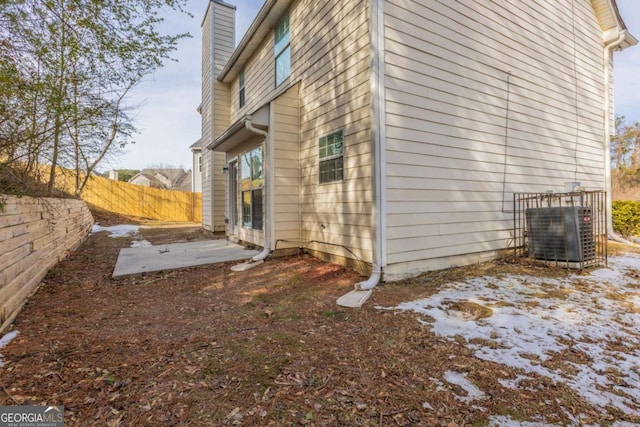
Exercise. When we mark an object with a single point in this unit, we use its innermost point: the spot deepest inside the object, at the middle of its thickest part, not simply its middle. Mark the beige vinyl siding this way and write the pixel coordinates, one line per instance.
(286, 169)
(259, 81)
(219, 186)
(224, 29)
(330, 60)
(206, 117)
(217, 46)
(449, 69)
(333, 44)
(196, 177)
(319, 53)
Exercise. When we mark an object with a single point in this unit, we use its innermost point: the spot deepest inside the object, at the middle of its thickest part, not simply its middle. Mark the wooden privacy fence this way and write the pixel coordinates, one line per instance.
(136, 200)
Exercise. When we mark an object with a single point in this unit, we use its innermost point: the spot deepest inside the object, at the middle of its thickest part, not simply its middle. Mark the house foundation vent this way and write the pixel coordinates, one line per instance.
(567, 229)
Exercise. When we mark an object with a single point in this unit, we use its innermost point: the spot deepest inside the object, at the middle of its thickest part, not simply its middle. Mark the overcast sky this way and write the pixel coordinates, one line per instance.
(627, 65)
(169, 124)
(167, 120)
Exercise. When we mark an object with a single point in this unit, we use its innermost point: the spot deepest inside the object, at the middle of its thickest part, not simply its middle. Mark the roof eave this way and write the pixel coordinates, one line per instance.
(230, 131)
(239, 131)
(253, 38)
(616, 12)
(612, 24)
(629, 40)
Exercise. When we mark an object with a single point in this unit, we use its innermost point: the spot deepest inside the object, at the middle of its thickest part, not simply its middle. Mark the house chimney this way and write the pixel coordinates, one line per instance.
(218, 43)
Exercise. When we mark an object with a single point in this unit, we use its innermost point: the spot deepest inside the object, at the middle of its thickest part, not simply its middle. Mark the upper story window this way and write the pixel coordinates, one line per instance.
(331, 157)
(282, 50)
(241, 96)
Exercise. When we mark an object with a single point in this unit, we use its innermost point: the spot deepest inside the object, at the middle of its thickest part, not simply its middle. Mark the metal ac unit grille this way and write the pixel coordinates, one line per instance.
(561, 234)
(561, 228)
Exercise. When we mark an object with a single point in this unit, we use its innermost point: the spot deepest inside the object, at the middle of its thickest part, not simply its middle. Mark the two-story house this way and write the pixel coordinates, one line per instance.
(389, 134)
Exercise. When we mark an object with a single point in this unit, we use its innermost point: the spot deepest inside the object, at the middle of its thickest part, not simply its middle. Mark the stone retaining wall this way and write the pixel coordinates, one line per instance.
(35, 234)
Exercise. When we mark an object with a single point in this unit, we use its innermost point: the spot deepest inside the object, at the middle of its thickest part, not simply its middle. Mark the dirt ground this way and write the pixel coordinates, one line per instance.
(205, 346)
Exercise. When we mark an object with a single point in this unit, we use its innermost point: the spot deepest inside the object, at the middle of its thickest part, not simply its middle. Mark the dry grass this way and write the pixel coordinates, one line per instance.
(467, 310)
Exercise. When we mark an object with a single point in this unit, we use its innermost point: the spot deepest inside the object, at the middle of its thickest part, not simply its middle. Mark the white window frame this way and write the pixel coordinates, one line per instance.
(282, 47)
(251, 189)
(331, 157)
(242, 100)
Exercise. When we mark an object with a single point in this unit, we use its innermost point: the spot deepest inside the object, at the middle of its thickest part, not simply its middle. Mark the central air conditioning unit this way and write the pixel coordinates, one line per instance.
(561, 233)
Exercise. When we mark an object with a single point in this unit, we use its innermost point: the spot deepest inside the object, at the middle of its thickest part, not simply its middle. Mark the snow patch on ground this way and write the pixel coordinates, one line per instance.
(532, 320)
(122, 230)
(140, 243)
(6, 339)
(502, 421)
(460, 379)
(516, 383)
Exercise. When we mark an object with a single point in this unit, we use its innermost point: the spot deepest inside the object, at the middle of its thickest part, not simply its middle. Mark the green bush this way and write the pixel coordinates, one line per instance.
(626, 217)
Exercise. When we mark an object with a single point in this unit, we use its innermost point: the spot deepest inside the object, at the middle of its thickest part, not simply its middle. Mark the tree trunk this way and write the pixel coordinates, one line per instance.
(59, 102)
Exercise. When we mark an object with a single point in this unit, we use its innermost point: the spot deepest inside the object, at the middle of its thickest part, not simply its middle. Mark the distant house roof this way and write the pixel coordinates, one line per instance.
(172, 174)
(184, 183)
(196, 146)
(169, 178)
(146, 180)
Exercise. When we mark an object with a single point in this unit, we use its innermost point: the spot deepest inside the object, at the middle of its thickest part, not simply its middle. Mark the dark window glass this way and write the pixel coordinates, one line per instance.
(282, 50)
(283, 66)
(252, 181)
(246, 209)
(256, 209)
(331, 157)
(282, 34)
(241, 97)
(245, 168)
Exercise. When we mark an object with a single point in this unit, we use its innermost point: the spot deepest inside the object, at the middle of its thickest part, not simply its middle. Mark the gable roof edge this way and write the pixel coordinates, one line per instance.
(611, 22)
(253, 38)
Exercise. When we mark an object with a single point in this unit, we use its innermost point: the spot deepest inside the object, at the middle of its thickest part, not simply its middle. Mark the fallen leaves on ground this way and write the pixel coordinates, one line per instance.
(267, 347)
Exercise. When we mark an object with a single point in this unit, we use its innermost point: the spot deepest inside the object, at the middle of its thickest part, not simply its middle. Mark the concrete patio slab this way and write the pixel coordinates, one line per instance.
(178, 255)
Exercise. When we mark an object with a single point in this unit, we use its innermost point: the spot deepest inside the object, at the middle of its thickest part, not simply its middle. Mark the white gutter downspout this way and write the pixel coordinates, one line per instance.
(378, 131)
(266, 249)
(608, 49)
(363, 290)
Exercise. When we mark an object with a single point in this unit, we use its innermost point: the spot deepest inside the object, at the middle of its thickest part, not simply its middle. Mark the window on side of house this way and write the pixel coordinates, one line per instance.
(241, 96)
(251, 188)
(331, 157)
(282, 50)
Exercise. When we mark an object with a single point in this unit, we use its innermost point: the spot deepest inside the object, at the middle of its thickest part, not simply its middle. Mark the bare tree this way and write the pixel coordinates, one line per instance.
(69, 67)
(625, 152)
